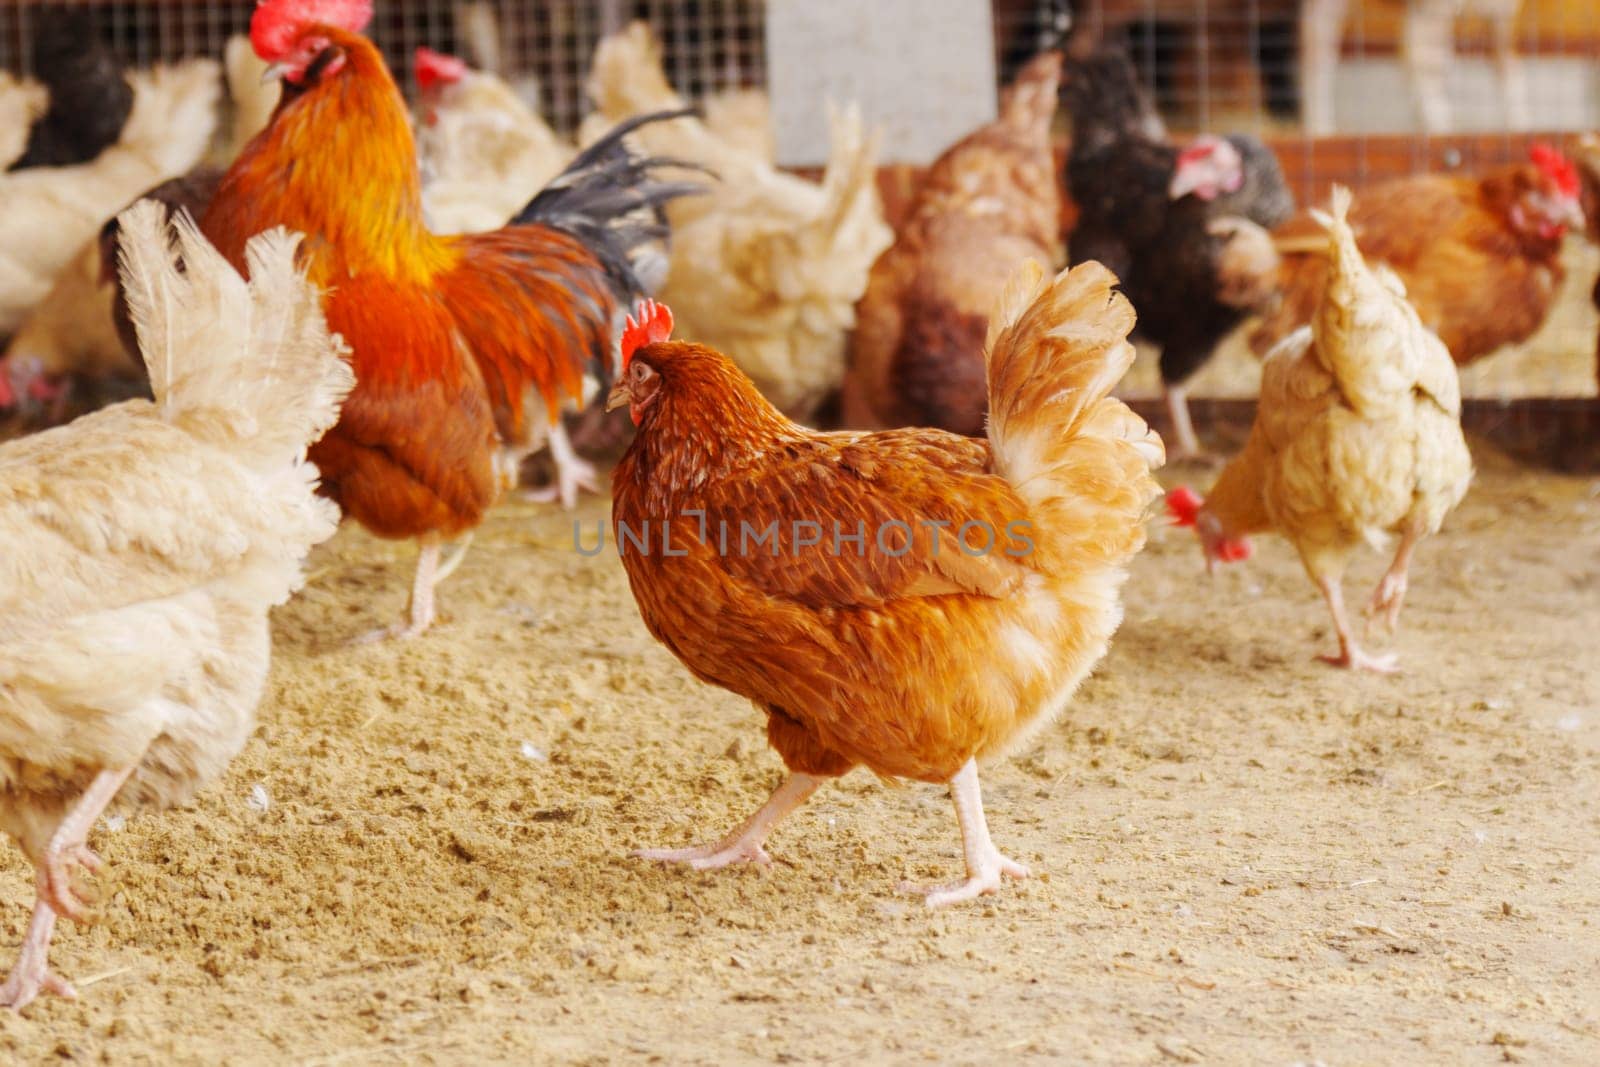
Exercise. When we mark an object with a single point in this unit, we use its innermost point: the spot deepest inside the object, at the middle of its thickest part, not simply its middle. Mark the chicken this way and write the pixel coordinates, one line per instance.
(1357, 437)
(141, 548)
(770, 267)
(90, 98)
(455, 339)
(742, 117)
(21, 102)
(47, 214)
(79, 338)
(484, 152)
(905, 652)
(989, 202)
(1185, 229)
(1452, 240)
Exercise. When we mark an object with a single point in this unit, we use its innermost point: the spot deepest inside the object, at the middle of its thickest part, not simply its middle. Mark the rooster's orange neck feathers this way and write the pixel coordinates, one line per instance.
(338, 163)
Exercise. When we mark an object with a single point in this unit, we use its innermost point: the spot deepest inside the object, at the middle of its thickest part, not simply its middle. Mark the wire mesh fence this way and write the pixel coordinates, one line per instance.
(1344, 90)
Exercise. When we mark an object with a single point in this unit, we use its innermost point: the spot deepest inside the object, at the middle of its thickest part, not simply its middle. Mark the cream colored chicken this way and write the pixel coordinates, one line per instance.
(141, 548)
(21, 102)
(70, 334)
(768, 268)
(48, 213)
(1357, 438)
(484, 152)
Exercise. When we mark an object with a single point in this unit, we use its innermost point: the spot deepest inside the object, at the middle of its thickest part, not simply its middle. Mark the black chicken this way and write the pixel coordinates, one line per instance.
(1184, 228)
(90, 98)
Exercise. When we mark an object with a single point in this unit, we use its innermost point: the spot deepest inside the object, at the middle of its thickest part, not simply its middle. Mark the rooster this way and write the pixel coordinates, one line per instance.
(1452, 241)
(453, 337)
(1357, 437)
(141, 548)
(922, 601)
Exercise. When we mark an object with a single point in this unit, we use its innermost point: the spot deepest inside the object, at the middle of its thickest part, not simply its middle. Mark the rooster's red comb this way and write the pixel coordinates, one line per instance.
(1184, 505)
(277, 24)
(1555, 166)
(652, 322)
(436, 68)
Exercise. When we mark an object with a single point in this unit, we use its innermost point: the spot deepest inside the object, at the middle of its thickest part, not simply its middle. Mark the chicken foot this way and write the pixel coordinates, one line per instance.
(743, 845)
(420, 608)
(573, 473)
(1177, 397)
(31, 974)
(55, 894)
(1391, 591)
(985, 863)
(1350, 654)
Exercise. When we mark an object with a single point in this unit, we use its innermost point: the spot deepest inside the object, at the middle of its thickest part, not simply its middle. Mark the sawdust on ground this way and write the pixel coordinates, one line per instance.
(1240, 856)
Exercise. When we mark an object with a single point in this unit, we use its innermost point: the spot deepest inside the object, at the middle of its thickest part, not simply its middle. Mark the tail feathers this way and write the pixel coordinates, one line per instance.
(1077, 455)
(1341, 238)
(610, 199)
(849, 184)
(248, 365)
(1029, 102)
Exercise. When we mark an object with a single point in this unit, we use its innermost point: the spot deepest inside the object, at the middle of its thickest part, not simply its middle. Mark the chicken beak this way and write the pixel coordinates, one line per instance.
(274, 72)
(1184, 182)
(618, 397)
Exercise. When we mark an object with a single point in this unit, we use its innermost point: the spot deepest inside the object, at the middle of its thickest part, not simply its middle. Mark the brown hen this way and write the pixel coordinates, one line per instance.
(909, 600)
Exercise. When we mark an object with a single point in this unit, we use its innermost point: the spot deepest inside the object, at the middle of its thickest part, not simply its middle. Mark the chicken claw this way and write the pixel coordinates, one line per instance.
(1355, 659)
(741, 848)
(985, 880)
(55, 879)
(573, 473)
(744, 844)
(1387, 599)
(985, 864)
(31, 975)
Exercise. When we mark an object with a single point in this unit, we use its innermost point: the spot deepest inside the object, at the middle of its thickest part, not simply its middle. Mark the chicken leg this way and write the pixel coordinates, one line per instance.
(420, 608)
(1177, 396)
(1350, 654)
(743, 845)
(573, 473)
(1391, 591)
(54, 892)
(985, 863)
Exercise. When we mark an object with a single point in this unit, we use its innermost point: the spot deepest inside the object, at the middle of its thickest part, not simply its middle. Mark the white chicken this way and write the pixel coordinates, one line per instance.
(141, 548)
(769, 267)
(47, 214)
(484, 153)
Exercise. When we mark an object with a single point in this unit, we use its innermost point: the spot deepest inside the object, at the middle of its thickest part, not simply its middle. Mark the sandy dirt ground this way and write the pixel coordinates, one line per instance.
(1240, 856)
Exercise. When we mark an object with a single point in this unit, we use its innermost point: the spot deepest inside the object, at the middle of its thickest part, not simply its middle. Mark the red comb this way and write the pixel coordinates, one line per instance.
(277, 24)
(652, 322)
(436, 68)
(1184, 505)
(1555, 166)
(1198, 149)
